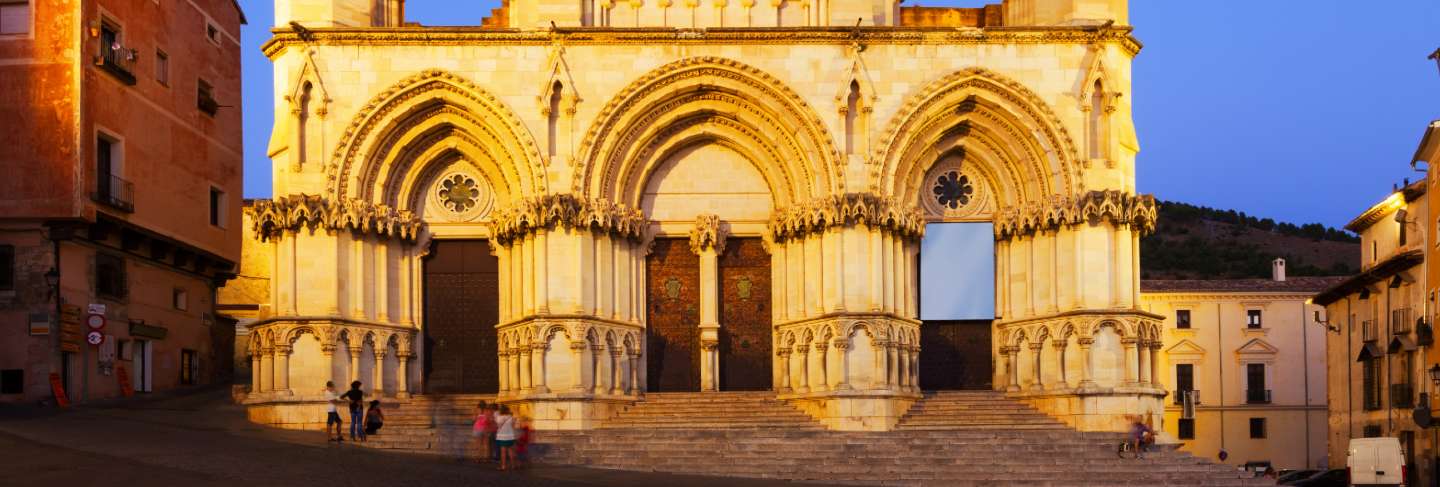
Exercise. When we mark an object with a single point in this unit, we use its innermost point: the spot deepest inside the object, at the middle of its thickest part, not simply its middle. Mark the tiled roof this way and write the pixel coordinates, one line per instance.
(1290, 285)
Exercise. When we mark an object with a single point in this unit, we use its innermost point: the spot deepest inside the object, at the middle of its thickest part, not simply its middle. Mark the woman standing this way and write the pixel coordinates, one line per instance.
(484, 426)
(505, 437)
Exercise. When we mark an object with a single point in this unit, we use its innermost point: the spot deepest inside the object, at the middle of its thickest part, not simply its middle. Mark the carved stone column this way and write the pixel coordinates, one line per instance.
(1131, 378)
(597, 370)
(1143, 355)
(842, 350)
(378, 387)
(503, 357)
(255, 371)
(892, 372)
(636, 388)
(577, 357)
(1085, 376)
(707, 240)
(821, 353)
(1155, 363)
(526, 382)
(537, 355)
(1064, 376)
(282, 369)
(904, 372)
(784, 353)
(1037, 352)
(615, 381)
(804, 385)
(354, 364)
(1012, 368)
(914, 368)
(402, 375)
(879, 378)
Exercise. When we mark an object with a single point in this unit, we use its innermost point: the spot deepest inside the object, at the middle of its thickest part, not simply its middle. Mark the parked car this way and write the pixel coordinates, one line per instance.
(1337, 477)
(1376, 461)
(1293, 475)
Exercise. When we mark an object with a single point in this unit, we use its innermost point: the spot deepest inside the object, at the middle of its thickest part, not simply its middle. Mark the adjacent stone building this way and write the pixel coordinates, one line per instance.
(1244, 362)
(1379, 327)
(121, 194)
(577, 203)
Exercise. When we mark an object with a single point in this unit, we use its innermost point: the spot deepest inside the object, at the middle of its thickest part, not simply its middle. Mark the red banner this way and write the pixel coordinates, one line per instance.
(59, 390)
(124, 378)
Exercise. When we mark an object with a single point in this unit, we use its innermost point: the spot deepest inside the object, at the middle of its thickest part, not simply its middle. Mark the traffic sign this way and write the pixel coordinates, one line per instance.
(95, 338)
(95, 322)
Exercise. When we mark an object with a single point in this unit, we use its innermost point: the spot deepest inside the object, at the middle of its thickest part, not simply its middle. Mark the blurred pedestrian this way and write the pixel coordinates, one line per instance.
(357, 411)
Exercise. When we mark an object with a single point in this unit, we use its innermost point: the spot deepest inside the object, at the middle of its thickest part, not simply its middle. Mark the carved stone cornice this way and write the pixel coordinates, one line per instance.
(273, 217)
(708, 233)
(1116, 207)
(575, 36)
(529, 215)
(819, 215)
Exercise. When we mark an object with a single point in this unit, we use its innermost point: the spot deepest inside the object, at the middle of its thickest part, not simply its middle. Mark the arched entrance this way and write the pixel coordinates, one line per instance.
(461, 310)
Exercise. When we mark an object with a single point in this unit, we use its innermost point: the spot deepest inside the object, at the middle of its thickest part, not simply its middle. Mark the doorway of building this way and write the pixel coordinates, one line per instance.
(142, 356)
(745, 316)
(462, 307)
(955, 355)
(672, 295)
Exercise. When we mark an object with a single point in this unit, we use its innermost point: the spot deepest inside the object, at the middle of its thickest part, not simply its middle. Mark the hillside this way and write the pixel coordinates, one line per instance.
(1196, 242)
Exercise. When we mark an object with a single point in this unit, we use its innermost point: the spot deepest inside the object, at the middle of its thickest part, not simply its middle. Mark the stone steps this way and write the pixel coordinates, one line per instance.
(961, 439)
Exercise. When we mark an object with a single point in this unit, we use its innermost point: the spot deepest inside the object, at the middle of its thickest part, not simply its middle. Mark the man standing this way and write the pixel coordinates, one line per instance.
(332, 417)
(357, 411)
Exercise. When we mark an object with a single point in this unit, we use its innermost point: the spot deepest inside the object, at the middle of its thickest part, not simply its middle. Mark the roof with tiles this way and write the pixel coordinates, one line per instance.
(1290, 285)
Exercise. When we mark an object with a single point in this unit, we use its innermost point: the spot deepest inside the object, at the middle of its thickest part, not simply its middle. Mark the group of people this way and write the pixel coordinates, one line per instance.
(499, 436)
(364, 420)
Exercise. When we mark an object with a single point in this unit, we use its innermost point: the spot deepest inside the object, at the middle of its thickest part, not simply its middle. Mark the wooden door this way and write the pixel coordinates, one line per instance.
(745, 319)
(955, 355)
(461, 309)
(672, 353)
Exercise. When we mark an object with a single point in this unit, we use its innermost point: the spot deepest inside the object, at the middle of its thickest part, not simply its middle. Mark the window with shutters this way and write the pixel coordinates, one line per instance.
(1257, 428)
(1182, 318)
(14, 17)
(110, 276)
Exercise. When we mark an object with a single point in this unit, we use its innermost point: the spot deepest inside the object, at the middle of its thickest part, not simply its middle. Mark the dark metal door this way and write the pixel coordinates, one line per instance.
(461, 309)
(745, 324)
(955, 355)
(672, 355)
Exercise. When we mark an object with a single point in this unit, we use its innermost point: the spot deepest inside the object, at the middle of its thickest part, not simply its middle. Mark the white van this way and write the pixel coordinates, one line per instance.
(1376, 461)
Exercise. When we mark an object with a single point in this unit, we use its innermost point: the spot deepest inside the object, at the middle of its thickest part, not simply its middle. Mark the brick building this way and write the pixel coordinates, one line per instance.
(121, 195)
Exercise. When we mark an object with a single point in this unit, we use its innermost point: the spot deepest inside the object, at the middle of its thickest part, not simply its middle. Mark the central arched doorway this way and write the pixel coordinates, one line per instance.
(461, 310)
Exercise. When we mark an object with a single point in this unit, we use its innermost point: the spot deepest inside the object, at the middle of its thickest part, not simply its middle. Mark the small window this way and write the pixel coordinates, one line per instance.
(187, 367)
(7, 268)
(1372, 431)
(109, 276)
(14, 17)
(1182, 318)
(162, 67)
(1184, 378)
(12, 381)
(217, 208)
(212, 33)
(1374, 251)
(1252, 318)
(1372, 385)
(1257, 428)
(205, 98)
(180, 299)
(1186, 431)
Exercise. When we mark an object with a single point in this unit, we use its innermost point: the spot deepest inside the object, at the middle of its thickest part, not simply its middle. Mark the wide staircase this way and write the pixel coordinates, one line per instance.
(961, 438)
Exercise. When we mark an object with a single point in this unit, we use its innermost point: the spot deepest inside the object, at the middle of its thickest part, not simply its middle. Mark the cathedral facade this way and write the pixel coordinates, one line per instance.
(582, 201)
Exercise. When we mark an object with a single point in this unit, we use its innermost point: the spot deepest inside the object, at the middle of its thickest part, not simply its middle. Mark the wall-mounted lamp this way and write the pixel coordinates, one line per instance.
(1326, 324)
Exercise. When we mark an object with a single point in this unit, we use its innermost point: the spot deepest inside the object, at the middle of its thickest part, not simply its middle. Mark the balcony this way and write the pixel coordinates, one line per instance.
(117, 60)
(1179, 396)
(1368, 331)
(1257, 396)
(1402, 396)
(1400, 321)
(115, 192)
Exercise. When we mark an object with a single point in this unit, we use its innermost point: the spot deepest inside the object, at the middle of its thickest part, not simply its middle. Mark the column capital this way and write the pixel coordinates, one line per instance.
(1129, 341)
(708, 234)
(284, 349)
(709, 345)
(1085, 342)
(841, 344)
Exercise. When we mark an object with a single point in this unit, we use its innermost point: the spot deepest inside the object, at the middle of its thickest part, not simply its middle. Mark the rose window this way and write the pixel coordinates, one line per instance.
(953, 190)
(459, 193)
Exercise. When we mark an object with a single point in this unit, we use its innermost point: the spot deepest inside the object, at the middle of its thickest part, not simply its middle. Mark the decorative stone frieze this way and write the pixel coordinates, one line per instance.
(272, 218)
(1116, 207)
(845, 210)
(528, 215)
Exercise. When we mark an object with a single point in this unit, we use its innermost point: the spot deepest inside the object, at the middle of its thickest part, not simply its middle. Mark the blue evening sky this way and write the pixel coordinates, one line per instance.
(1299, 110)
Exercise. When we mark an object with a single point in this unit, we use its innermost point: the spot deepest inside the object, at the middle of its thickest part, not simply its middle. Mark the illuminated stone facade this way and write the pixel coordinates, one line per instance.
(579, 140)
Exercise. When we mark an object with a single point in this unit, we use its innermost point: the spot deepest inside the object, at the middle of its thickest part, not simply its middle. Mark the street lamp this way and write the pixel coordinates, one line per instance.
(52, 279)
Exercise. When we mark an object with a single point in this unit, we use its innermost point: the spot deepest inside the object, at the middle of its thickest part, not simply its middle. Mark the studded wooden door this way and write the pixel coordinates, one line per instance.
(745, 324)
(672, 354)
(955, 355)
(461, 309)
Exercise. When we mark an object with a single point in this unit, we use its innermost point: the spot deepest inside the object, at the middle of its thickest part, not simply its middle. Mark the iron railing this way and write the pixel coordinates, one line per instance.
(118, 60)
(1368, 331)
(1402, 396)
(115, 192)
(1257, 396)
(1400, 321)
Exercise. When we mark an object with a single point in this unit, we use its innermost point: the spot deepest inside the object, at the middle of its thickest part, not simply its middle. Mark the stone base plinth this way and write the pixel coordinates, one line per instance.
(1098, 409)
(854, 410)
(567, 413)
(293, 412)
